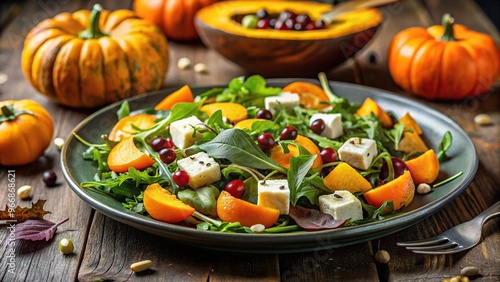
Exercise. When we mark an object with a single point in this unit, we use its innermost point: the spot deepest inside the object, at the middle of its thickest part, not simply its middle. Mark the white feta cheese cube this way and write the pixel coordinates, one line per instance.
(202, 169)
(333, 124)
(182, 132)
(358, 152)
(341, 205)
(285, 100)
(274, 194)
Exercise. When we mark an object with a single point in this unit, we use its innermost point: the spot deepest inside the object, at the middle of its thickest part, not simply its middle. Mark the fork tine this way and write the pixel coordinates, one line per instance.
(430, 241)
(433, 248)
(440, 252)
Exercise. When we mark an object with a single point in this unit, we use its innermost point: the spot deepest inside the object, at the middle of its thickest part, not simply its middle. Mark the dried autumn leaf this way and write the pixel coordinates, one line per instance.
(22, 214)
(36, 229)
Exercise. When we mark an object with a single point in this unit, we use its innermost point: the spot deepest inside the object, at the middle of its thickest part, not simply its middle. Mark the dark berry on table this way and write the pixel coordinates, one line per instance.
(167, 155)
(236, 188)
(49, 177)
(264, 114)
(181, 177)
(317, 126)
(329, 155)
(289, 133)
(265, 141)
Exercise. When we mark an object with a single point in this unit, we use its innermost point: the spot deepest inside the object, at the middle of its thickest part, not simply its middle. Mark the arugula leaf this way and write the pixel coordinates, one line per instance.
(444, 146)
(203, 199)
(228, 227)
(250, 91)
(299, 167)
(124, 110)
(135, 204)
(396, 133)
(237, 147)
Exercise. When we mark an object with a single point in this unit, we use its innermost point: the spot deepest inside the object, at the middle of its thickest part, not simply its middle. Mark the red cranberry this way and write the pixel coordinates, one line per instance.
(289, 133)
(266, 142)
(236, 188)
(264, 114)
(167, 155)
(317, 126)
(181, 177)
(161, 142)
(263, 24)
(329, 155)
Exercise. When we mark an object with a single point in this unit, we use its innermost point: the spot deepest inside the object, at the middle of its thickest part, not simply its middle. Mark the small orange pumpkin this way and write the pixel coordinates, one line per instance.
(174, 17)
(90, 59)
(448, 62)
(26, 130)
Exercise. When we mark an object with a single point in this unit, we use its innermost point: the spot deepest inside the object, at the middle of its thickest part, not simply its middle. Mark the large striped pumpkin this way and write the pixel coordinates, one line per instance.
(92, 58)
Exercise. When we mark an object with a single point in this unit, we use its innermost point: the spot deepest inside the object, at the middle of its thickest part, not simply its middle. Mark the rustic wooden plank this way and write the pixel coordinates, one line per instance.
(112, 247)
(244, 267)
(330, 265)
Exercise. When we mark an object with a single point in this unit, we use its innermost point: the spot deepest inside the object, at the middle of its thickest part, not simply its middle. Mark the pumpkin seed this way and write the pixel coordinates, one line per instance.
(464, 279)
(455, 279)
(141, 265)
(183, 63)
(482, 119)
(469, 271)
(423, 188)
(24, 192)
(200, 68)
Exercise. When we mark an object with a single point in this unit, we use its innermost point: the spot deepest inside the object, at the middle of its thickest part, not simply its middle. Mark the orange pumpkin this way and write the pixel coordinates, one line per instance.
(448, 62)
(26, 130)
(90, 59)
(174, 17)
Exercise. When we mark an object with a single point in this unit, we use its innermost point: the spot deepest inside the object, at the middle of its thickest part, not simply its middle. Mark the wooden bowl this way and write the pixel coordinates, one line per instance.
(280, 53)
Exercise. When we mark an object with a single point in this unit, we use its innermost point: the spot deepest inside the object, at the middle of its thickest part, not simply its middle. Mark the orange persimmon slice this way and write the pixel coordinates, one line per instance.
(345, 177)
(163, 206)
(311, 95)
(234, 112)
(127, 125)
(369, 106)
(125, 154)
(283, 159)
(424, 168)
(183, 94)
(400, 191)
(232, 209)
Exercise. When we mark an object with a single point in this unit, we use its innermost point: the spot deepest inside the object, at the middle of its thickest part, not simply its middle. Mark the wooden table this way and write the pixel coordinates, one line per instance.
(105, 248)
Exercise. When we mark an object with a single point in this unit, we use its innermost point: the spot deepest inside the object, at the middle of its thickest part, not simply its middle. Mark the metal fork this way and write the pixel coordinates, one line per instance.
(459, 238)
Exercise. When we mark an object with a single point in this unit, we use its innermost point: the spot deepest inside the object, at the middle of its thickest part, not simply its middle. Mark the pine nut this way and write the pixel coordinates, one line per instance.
(141, 265)
(469, 271)
(482, 119)
(257, 228)
(423, 188)
(200, 68)
(183, 63)
(24, 191)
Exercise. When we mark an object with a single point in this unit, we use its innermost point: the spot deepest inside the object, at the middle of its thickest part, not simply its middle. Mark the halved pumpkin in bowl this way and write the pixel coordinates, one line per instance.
(292, 53)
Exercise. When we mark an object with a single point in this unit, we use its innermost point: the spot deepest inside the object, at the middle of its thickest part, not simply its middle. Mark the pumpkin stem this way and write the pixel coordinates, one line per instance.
(448, 34)
(8, 113)
(93, 31)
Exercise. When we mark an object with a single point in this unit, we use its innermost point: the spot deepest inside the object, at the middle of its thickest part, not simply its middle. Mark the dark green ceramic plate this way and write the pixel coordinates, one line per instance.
(434, 125)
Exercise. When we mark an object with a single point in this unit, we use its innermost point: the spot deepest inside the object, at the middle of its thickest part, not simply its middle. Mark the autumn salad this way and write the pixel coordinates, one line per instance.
(252, 158)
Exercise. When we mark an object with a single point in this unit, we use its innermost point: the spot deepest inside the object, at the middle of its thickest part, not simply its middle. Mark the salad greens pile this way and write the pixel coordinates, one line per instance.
(240, 157)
